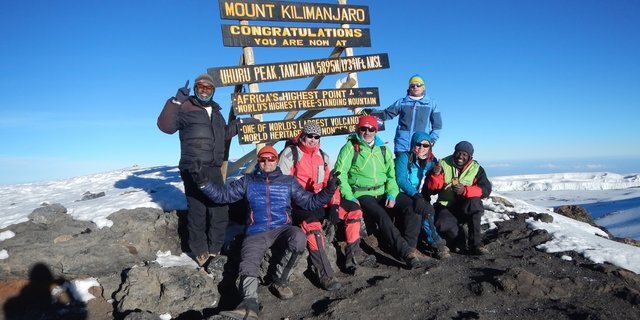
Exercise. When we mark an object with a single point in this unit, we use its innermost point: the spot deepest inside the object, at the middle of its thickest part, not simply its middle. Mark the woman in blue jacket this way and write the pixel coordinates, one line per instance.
(411, 168)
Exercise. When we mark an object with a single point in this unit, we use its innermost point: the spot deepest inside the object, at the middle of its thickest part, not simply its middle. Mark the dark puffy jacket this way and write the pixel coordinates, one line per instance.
(269, 196)
(201, 139)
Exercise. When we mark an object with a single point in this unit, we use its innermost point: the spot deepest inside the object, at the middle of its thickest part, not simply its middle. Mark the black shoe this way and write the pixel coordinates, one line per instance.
(330, 284)
(479, 251)
(359, 258)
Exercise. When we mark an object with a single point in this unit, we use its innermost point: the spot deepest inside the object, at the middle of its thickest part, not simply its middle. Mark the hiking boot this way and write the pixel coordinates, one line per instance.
(247, 310)
(330, 283)
(416, 260)
(359, 258)
(479, 251)
(441, 250)
(281, 291)
(202, 259)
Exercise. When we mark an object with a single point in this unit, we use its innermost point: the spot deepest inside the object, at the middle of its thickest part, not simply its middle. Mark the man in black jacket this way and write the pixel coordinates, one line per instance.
(203, 136)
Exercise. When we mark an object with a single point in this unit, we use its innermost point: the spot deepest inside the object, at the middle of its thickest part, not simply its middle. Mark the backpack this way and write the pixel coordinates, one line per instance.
(356, 150)
(296, 157)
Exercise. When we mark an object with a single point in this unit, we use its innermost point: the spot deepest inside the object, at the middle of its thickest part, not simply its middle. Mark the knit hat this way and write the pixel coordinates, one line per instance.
(268, 150)
(465, 146)
(312, 127)
(416, 78)
(206, 78)
(418, 136)
(368, 120)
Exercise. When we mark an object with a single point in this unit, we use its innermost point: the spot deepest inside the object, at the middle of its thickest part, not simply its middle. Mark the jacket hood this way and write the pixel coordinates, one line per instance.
(419, 136)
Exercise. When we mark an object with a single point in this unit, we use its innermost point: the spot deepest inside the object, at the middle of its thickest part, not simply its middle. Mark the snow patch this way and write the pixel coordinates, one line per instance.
(4, 235)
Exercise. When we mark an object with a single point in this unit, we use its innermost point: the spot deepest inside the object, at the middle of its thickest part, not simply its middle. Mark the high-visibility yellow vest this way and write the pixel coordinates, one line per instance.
(466, 178)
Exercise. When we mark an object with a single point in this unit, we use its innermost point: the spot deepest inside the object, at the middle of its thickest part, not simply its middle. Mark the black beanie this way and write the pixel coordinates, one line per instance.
(466, 147)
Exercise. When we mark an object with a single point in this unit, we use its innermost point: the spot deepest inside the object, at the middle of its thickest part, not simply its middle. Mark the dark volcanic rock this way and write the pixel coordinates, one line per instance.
(90, 196)
(575, 212)
(76, 248)
(513, 281)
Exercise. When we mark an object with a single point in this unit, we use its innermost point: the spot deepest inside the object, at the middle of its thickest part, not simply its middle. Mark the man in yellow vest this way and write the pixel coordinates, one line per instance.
(460, 183)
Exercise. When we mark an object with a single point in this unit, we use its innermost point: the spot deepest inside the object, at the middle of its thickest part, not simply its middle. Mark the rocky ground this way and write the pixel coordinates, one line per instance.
(514, 281)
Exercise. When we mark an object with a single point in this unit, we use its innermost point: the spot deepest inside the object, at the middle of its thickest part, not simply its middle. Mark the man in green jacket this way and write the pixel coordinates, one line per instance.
(367, 176)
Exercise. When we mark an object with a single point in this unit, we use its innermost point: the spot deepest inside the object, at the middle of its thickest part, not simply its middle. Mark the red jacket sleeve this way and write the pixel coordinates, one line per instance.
(435, 182)
(481, 187)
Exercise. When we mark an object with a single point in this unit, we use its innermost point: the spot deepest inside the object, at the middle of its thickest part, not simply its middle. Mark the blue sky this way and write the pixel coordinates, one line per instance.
(536, 86)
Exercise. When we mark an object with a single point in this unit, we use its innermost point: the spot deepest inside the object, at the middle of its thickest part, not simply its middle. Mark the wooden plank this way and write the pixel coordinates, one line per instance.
(281, 36)
(292, 11)
(227, 76)
(287, 129)
(283, 101)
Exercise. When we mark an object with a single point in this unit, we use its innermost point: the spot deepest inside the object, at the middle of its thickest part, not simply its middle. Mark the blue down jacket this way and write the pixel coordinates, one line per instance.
(414, 115)
(269, 197)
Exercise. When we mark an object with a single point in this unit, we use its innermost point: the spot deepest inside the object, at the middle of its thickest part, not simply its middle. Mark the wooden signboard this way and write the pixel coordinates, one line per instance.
(279, 36)
(288, 129)
(293, 11)
(285, 101)
(227, 76)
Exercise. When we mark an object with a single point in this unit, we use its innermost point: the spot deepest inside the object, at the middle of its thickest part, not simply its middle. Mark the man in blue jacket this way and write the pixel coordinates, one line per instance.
(417, 113)
(268, 194)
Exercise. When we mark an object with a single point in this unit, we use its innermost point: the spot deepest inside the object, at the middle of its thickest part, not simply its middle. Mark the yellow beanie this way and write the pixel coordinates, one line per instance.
(416, 78)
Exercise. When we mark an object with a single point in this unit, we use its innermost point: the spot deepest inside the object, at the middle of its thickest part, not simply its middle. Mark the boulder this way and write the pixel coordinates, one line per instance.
(172, 290)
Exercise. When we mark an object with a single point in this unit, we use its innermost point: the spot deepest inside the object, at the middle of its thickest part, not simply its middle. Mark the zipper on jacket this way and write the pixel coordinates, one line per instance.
(413, 121)
(268, 197)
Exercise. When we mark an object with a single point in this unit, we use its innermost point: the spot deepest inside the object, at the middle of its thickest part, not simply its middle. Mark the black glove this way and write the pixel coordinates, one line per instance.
(183, 93)
(420, 205)
(437, 168)
(458, 189)
(198, 175)
(333, 214)
(333, 182)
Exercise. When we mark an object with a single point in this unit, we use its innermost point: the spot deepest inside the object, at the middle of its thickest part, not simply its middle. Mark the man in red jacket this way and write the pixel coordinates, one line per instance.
(309, 164)
(460, 183)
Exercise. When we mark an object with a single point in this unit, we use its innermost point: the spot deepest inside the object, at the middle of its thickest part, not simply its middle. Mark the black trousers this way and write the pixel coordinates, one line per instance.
(374, 211)
(407, 220)
(206, 220)
(450, 220)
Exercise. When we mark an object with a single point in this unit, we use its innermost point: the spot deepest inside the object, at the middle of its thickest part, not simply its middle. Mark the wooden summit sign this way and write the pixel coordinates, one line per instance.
(285, 101)
(293, 11)
(228, 76)
(288, 129)
(279, 36)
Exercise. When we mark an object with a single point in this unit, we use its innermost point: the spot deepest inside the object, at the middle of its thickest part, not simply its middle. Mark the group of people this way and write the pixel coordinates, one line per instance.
(292, 195)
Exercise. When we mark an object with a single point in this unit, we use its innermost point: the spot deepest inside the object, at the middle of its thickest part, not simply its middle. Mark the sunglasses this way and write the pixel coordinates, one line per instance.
(370, 129)
(415, 85)
(267, 159)
(313, 136)
(204, 87)
(424, 145)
